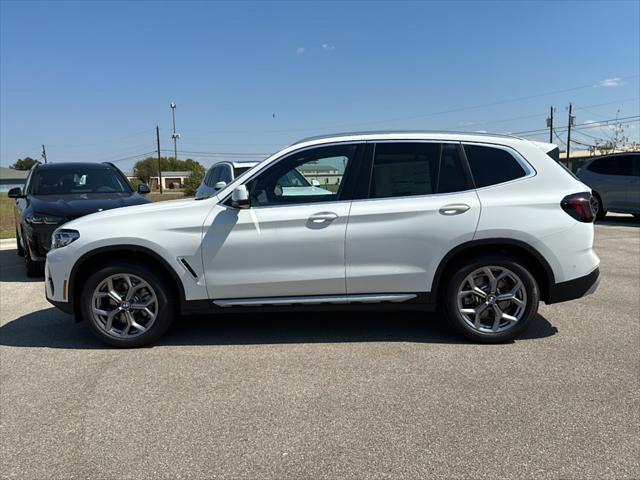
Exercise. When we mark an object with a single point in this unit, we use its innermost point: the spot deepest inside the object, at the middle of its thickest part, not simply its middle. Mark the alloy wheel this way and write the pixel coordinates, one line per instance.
(492, 299)
(595, 205)
(124, 306)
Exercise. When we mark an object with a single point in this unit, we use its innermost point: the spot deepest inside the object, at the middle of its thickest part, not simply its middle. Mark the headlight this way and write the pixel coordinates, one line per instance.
(39, 219)
(62, 238)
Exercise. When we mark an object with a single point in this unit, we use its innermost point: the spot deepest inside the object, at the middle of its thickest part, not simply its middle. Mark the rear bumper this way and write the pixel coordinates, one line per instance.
(576, 288)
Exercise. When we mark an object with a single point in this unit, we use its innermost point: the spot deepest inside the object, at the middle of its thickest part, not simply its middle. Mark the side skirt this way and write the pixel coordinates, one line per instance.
(360, 302)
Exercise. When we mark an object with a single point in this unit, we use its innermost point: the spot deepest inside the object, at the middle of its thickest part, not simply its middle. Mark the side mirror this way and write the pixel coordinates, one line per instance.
(240, 197)
(143, 189)
(315, 183)
(219, 185)
(15, 193)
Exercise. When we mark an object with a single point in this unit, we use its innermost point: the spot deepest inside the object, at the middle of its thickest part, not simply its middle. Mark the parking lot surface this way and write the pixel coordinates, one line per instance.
(325, 395)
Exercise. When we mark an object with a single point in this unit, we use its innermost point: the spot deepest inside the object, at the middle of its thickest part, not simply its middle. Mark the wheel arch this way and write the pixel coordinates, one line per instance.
(87, 263)
(522, 251)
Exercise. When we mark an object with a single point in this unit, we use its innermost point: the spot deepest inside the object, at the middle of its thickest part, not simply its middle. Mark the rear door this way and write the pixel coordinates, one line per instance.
(418, 203)
(633, 192)
(612, 180)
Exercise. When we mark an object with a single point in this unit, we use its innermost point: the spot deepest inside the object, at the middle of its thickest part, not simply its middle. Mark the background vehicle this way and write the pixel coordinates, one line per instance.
(615, 181)
(482, 226)
(57, 193)
(219, 175)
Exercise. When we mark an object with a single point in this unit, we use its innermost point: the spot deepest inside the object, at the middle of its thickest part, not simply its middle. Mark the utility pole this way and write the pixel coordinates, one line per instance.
(44, 154)
(174, 135)
(572, 121)
(159, 168)
(550, 124)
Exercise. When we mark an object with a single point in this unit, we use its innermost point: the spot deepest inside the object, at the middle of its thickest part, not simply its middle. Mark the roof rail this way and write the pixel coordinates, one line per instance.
(385, 132)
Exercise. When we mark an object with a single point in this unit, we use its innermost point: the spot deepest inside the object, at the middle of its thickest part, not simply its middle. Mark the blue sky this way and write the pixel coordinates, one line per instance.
(92, 79)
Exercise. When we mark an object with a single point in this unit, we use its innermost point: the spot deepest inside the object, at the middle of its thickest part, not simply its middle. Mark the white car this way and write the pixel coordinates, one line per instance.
(482, 226)
(219, 175)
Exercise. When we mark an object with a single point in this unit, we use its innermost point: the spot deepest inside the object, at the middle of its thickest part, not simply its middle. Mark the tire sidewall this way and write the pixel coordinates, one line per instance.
(451, 298)
(166, 303)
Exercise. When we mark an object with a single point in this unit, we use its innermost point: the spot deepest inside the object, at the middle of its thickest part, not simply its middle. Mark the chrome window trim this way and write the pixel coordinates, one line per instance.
(279, 159)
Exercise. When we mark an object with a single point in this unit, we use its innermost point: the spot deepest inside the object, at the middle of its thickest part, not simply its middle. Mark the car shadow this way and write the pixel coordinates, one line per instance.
(51, 328)
(12, 268)
(620, 221)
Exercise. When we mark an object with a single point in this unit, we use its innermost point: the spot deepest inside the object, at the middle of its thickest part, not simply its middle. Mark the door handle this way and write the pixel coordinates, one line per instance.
(321, 217)
(454, 209)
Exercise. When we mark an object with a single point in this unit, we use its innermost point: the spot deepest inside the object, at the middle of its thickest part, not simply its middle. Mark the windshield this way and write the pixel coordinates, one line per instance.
(240, 170)
(71, 180)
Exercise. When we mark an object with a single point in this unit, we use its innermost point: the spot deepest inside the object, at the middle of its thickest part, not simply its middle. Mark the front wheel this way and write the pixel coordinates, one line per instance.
(19, 245)
(33, 268)
(491, 299)
(127, 304)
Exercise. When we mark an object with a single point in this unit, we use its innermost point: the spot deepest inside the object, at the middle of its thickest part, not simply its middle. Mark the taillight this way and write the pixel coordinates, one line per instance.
(578, 205)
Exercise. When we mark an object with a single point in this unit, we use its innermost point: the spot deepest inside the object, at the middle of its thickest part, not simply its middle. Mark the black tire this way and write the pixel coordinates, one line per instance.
(19, 245)
(456, 282)
(33, 269)
(600, 211)
(166, 305)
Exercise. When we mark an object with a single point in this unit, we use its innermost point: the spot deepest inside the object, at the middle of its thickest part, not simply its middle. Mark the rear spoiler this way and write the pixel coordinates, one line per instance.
(550, 149)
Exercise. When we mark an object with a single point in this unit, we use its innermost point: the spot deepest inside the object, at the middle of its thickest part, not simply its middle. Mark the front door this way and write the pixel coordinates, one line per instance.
(290, 242)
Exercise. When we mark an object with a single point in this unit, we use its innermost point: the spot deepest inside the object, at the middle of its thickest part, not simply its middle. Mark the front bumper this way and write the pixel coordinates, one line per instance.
(56, 281)
(39, 239)
(576, 288)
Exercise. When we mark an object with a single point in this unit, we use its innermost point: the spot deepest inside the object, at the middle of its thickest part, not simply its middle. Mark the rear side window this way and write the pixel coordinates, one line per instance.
(490, 165)
(408, 169)
(618, 165)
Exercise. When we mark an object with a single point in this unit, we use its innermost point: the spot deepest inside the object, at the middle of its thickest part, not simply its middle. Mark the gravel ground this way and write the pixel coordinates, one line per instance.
(328, 396)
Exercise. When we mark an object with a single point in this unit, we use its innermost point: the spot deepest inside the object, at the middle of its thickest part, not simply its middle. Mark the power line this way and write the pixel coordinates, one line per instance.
(582, 125)
(411, 117)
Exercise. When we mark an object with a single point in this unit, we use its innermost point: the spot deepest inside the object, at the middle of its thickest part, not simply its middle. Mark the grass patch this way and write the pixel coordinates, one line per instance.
(7, 224)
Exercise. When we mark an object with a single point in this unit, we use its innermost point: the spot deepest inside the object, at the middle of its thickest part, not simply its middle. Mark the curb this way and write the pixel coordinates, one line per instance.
(8, 244)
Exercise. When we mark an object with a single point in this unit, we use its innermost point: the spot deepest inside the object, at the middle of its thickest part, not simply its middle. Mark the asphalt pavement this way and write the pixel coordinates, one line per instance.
(385, 395)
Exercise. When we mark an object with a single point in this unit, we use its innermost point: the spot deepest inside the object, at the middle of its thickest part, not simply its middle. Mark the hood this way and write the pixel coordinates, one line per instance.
(78, 205)
(131, 213)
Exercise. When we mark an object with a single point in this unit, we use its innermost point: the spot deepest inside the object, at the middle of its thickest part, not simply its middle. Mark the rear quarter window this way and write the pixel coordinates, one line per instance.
(490, 165)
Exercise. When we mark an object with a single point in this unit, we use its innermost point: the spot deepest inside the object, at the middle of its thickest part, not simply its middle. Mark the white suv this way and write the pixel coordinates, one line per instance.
(483, 226)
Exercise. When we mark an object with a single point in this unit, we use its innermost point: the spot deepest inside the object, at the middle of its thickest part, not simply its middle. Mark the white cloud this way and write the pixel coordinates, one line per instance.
(327, 46)
(610, 82)
(300, 50)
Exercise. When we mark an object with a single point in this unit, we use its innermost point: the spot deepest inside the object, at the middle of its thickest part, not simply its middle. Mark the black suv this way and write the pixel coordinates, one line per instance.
(57, 193)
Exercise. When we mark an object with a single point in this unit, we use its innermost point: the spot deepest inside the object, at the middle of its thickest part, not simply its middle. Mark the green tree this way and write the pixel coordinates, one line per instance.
(24, 163)
(192, 182)
(147, 168)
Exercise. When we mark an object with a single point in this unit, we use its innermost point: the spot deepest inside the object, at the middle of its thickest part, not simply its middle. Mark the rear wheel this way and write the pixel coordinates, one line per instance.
(596, 206)
(491, 299)
(127, 304)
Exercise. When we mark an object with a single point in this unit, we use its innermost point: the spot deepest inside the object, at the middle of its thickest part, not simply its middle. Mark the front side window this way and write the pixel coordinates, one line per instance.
(225, 174)
(617, 165)
(314, 175)
(64, 181)
(490, 165)
(406, 169)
